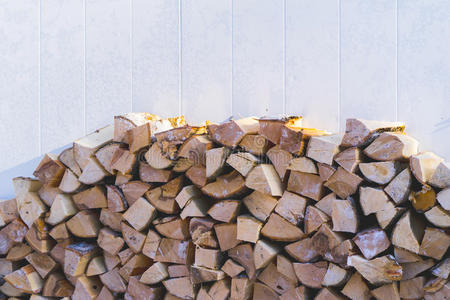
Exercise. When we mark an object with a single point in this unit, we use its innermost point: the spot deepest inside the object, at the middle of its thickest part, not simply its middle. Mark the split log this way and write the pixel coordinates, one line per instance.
(77, 257)
(302, 164)
(311, 274)
(255, 144)
(156, 159)
(113, 281)
(226, 236)
(50, 170)
(25, 279)
(423, 165)
(314, 218)
(111, 219)
(30, 207)
(438, 217)
(359, 132)
(279, 229)
(133, 238)
(161, 203)
(280, 160)
(172, 227)
(140, 214)
(263, 292)
(442, 269)
(69, 182)
(215, 161)
(323, 148)
(8, 211)
(443, 197)
(325, 171)
(87, 288)
(137, 290)
(85, 148)
(392, 146)
(434, 284)
(372, 200)
(299, 293)
(105, 154)
(115, 199)
(151, 244)
(110, 241)
(241, 288)
(260, 205)
(186, 194)
(380, 172)
(243, 162)
(356, 288)
(243, 254)
(175, 251)
(344, 216)
(326, 204)
(231, 268)
(271, 128)
(435, 243)
(398, 189)
(226, 186)
(302, 251)
(291, 207)
(294, 139)
(275, 280)
(387, 291)
(18, 252)
(413, 288)
(38, 237)
(194, 148)
(264, 178)
(377, 271)
(125, 255)
(178, 271)
(405, 256)
(91, 198)
(96, 266)
(68, 159)
(441, 176)
(390, 214)
(372, 242)
(180, 287)
(136, 265)
(84, 224)
(285, 267)
(411, 270)
(197, 207)
(133, 190)
(150, 174)
(232, 132)
(306, 184)
(408, 232)
(220, 290)
(225, 211)
(349, 159)
(200, 275)
(424, 199)
(248, 228)
(47, 194)
(264, 252)
(335, 276)
(343, 183)
(57, 285)
(62, 208)
(93, 172)
(208, 258)
(42, 263)
(341, 252)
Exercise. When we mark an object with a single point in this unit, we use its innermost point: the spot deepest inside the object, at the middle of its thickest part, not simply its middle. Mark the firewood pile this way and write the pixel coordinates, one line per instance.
(152, 208)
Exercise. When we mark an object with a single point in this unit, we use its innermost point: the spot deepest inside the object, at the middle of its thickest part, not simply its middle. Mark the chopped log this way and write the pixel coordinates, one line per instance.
(150, 174)
(96, 266)
(248, 228)
(186, 194)
(264, 178)
(180, 287)
(30, 208)
(93, 172)
(356, 288)
(77, 257)
(169, 140)
(294, 139)
(156, 159)
(434, 284)
(263, 292)
(243, 162)
(435, 243)
(260, 205)
(302, 251)
(111, 261)
(255, 144)
(299, 293)
(442, 269)
(197, 207)
(372, 200)
(8, 211)
(68, 159)
(125, 255)
(122, 179)
(413, 288)
(113, 281)
(162, 204)
(264, 252)
(278, 229)
(18, 252)
(441, 176)
(443, 197)
(275, 280)
(311, 274)
(220, 290)
(323, 148)
(140, 214)
(215, 161)
(225, 211)
(405, 256)
(226, 236)
(243, 254)
(341, 252)
(69, 182)
(380, 172)
(91, 198)
(137, 290)
(438, 217)
(87, 288)
(105, 294)
(291, 207)
(57, 285)
(302, 164)
(335, 276)
(314, 218)
(280, 160)
(226, 186)
(105, 154)
(199, 226)
(389, 215)
(377, 271)
(325, 171)
(372, 242)
(344, 216)
(138, 137)
(110, 241)
(62, 208)
(133, 238)
(232, 132)
(208, 258)
(42, 263)
(84, 148)
(207, 239)
(12, 234)
(408, 232)
(38, 237)
(271, 128)
(84, 224)
(241, 288)
(172, 227)
(385, 292)
(349, 159)
(285, 267)
(392, 146)
(423, 165)
(26, 279)
(325, 239)
(173, 187)
(195, 147)
(232, 268)
(48, 193)
(359, 132)
(155, 274)
(424, 199)
(111, 219)
(115, 199)
(7, 289)
(136, 265)
(133, 190)
(178, 271)
(151, 244)
(326, 204)
(50, 170)
(328, 294)
(411, 270)
(175, 251)
(126, 122)
(306, 184)
(398, 189)
(200, 274)
(343, 183)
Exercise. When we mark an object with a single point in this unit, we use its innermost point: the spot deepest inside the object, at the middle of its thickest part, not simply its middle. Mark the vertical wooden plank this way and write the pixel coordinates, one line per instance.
(62, 72)
(206, 60)
(19, 81)
(312, 62)
(258, 57)
(156, 69)
(423, 72)
(368, 60)
(108, 61)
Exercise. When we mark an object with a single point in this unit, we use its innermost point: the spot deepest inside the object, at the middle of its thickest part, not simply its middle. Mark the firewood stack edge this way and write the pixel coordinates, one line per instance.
(253, 208)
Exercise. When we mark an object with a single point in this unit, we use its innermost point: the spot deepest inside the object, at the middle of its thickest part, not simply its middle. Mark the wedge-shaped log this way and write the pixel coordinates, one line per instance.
(57, 285)
(398, 189)
(377, 271)
(275, 280)
(413, 269)
(215, 161)
(359, 132)
(392, 146)
(135, 266)
(294, 139)
(200, 274)
(243, 162)
(344, 216)
(424, 199)
(372, 242)
(161, 203)
(255, 144)
(113, 281)
(311, 274)
(195, 149)
(280, 160)
(435, 243)
(96, 266)
(343, 183)
(243, 254)
(62, 208)
(30, 207)
(302, 251)
(441, 176)
(111, 219)
(110, 241)
(133, 238)
(389, 215)
(115, 199)
(225, 211)
(186, 194)
(323, 148)
(226, 186)
(335, 276)
(349, 159)
(248, 228)
(175, 251)
(156, 159)
(279, 229)
(285, 267)
(149, 174)
(412, 288)
(77, 257)
(68, 159)
(172, 227)
(232, 268)
(50, 170)
(84, 224)
(372, 200)
(264, 178)
(443, 197)
(140, 214)
(226, 236)
(104, 156)
(136, 290)
(87, 288)
(155, 274)
(25, 279)
(379, 172)
(423, 165)
(291, 207)
(260, 205)
(232, 132)
(264, 252)
(93, 172)
(314, 218)
(69, 182)
(408, 232)
(8, 211)
(38, 237)
(438, 217)
(180, 287)
(302, 164)
(197, 207)
(306, 184)
(42, 263)
(85, 148)
(241, 288)
(387, 291)
(91, 198)
(326, 203)
(263, 292)
(271, 127)
(151, 244)
(356, 288)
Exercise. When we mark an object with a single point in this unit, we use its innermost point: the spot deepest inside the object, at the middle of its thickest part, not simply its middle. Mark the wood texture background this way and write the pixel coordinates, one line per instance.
(68, 66)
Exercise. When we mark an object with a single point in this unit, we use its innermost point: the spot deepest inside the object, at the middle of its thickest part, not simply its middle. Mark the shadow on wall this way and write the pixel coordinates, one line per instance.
(25, 169)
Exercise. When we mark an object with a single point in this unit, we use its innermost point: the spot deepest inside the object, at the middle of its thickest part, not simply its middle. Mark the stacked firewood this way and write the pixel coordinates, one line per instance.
(152, 208)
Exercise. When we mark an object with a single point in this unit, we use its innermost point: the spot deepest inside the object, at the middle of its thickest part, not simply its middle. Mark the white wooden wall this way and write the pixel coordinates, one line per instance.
(68, 66)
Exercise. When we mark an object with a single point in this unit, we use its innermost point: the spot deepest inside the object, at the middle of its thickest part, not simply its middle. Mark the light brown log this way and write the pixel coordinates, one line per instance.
(408, 232)
(93, 172)
(326, 204)
(113, 281)
(435, 243)
(135, 266)
(42, 263)
(302, 251)
(140, 214)
(343, 183)
(137, 290)
(180, 287)
(215, 161)
(291, 207)
(220, 290)
(243, 162)
(434, 284)
(186, 194)
(389, 215)
(225, 211)
(77, 257)
(441, 176)
(208, 258)
(372, 200)
(356, 288)
(105, 294)
(248, 228)
(302, 164)
(138, 137)
(255, 144)
(149, 174)
(241, 289)
(306, 184)
(341, 252)
(279, 229)
(328, 294)
(226, 236)
(232, 268)
(405, 256)
(311, 274)
(169, 140)
(386, 292)
(264, 252)
(263, 292)
(68, 159)
(155, 273)
(122, 179)
(96, 266)
(323, 148)
(314, 218)
(411, 270)
(7, 289)
(133, 190)
(172, 227)
(69, 182)
(197, 175)
(197, 207)
(423, 165)
(201, 274)
(412, 288)
(335, 276)
(226, 186)
(50, 170)
(178, 271)
(175, 251)
(294, 139)
(62, 208)
(91, 198)
(8, 211)
(87, 288)
(348, 159)
(260, 204)
(38, 237)
(115, 199)
(379, 172)
(280, 160)
(438, 217)
(325, 239)
(30, 207)
(111, 219)
(110, 241)
(443, 197)
(133, 238)
(299, 293)
(275, 280)
(207, 239)
(195, 147)
(125, 255)
(285, 267)
(59, 250)
(359, 132)
(344, 216)
(84, 148)
(126, 122)
(232, 132)
(105, 154)
(26, 279)
(271, 127)
(199, 226)
(442, 269)
(57, 285)
(111, 261)
(264, 178)
(243, 254)
(392, 146)
(377, 271)
(84, 224)
(48, 193)
(372, 242)
(325, 171)
(424, 199)
(398, 189)
(18, 252)
(162, 204)
(156, 159)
